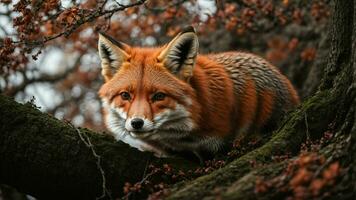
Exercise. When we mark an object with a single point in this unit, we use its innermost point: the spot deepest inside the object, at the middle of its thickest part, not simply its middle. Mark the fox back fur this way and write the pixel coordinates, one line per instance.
(170, 100)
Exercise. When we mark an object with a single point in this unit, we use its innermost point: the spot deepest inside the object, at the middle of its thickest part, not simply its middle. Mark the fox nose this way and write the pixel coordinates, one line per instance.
(137, 123)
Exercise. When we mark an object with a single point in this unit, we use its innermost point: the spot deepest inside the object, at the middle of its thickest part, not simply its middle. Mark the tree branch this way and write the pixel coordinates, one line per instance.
(84, 19)
(12, 91)
(47, 158)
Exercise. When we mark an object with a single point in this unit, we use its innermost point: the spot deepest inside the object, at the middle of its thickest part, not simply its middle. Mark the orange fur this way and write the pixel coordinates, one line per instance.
(266, 106)
(215, 91)
(205, 95)
(247, 105)
(145, 74)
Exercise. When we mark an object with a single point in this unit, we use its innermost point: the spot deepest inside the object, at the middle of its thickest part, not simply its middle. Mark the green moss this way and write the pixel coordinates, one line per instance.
(45, 157)
(311, 117)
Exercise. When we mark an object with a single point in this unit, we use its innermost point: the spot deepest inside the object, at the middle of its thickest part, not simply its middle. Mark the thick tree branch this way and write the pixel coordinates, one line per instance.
(48, 159)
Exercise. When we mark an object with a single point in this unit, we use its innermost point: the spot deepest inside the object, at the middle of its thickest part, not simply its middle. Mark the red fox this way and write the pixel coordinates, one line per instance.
(170, 100)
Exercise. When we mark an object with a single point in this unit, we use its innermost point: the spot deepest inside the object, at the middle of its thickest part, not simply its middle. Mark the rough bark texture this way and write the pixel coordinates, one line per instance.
(43, 156)
(48, 158)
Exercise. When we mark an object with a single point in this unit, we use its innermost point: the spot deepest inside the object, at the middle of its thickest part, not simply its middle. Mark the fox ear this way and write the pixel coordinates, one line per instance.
(180, 54)
(112, 54)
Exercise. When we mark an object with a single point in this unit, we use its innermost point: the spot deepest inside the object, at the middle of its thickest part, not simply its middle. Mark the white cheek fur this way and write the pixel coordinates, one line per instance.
(177, 119)
(116, 126)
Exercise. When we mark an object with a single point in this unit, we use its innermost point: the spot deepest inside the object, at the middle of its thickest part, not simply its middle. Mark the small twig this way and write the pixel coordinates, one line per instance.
(144, 178)
(307, 126)
(146, 167)
(141, 182)
(164, 8)
(84, 19)
(322, 167)
(87, 142)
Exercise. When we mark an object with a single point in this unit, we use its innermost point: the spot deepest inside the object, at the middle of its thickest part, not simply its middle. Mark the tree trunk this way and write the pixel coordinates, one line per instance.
(47, 158)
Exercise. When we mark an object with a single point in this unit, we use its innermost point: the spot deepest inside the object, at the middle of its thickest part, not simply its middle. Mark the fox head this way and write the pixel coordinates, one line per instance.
(147, 91)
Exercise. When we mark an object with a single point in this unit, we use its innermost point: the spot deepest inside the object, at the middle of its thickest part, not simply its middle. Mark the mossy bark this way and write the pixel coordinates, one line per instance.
(285, 140)
(48, 158)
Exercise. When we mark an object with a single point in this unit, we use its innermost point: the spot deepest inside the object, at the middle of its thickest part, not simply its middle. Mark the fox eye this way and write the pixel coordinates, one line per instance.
(159, 96)
(125, 96)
